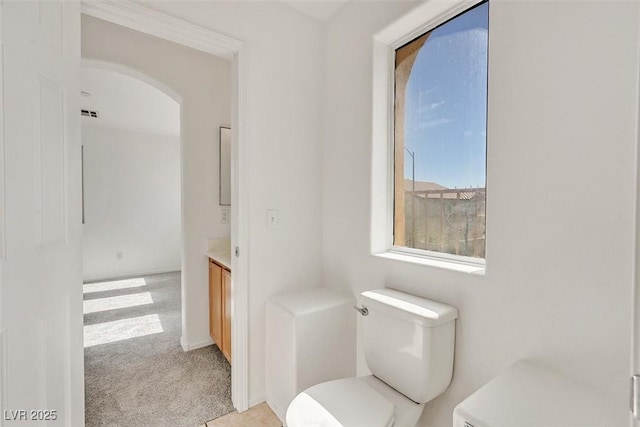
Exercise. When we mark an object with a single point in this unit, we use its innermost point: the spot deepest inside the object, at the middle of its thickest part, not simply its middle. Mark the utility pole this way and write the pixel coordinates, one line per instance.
(413, 201)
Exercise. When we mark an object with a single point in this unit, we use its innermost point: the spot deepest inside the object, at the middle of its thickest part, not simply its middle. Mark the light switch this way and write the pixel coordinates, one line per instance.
(224, 216)
(272, 219)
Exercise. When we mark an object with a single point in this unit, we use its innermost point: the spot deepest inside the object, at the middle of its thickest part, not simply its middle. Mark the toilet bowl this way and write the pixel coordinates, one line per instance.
(408, 345)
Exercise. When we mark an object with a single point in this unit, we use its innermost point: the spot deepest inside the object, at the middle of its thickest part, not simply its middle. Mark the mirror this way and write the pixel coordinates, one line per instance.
(225, 166)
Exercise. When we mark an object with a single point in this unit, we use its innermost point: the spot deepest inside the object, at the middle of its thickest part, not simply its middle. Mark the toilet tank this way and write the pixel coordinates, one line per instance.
(409, 342)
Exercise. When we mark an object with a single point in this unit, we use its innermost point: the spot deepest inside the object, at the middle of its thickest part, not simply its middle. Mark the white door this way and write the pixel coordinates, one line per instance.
(40, 218)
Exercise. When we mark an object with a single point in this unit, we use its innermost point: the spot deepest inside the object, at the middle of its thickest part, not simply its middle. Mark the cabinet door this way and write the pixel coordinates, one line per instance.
(226, 328)
(215, 303)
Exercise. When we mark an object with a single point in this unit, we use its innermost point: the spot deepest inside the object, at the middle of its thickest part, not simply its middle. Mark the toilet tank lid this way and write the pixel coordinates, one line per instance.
(427, 312)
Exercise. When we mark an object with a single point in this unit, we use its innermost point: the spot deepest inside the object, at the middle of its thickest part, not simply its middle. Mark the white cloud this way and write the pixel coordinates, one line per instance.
(430, 107)
(433, 123)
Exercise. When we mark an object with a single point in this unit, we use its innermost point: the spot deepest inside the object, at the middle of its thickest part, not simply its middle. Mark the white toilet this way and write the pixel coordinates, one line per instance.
(408, 343)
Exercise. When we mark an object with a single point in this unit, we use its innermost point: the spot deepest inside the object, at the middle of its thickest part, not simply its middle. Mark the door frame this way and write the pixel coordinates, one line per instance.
(158, 24)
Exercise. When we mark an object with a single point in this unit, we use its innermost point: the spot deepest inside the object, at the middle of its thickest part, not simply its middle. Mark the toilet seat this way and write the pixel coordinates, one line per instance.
(348, 402)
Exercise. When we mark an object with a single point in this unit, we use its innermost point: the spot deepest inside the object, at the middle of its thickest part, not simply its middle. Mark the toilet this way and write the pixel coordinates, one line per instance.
(408, 344)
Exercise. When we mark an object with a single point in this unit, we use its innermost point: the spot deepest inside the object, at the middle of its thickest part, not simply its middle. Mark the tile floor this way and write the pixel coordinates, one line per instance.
(258, 416)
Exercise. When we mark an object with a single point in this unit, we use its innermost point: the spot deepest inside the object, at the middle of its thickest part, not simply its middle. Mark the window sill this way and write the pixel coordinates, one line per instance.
(434, 262)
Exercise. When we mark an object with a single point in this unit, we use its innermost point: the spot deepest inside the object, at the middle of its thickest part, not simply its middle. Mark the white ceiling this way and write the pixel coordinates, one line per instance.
(126, 103)
(320, 10)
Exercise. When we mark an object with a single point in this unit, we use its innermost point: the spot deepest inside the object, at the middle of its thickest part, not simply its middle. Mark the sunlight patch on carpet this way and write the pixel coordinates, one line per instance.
(113, 303)
(112, 285)
(123, 329)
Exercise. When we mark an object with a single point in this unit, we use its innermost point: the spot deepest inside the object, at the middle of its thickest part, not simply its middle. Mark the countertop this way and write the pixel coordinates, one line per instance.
(221, 258)
(219, 250)
(529, 395)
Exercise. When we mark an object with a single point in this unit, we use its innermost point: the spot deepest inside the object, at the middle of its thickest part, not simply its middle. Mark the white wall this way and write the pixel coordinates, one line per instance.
(284, 136)
(561, 190)
(204, 84)
(131, 203)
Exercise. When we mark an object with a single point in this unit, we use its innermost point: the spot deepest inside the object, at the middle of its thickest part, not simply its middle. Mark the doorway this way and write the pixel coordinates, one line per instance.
(194, 332)
(135, 369)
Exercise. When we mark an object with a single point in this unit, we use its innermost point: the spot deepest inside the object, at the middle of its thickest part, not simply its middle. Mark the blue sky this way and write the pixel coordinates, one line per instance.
(445, 111)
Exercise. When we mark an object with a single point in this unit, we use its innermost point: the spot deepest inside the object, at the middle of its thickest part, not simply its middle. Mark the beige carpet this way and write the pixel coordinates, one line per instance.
(136, 373)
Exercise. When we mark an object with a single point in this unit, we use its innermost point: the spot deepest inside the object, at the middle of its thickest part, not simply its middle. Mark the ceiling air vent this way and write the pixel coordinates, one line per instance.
(89, 113)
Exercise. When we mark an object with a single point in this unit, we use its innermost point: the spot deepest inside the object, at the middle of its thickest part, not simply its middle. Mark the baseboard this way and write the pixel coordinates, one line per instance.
(130, 275)
(193, 346)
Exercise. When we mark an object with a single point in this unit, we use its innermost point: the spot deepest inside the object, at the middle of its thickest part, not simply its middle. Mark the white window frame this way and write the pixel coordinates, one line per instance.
(422, 19)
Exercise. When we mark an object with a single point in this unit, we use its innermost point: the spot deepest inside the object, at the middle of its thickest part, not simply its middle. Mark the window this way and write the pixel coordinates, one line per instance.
(439, 138)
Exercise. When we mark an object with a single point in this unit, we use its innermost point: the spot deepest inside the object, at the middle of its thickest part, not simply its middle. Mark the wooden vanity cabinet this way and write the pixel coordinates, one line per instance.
(226, 314)
(215, 302)
(220, 307)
